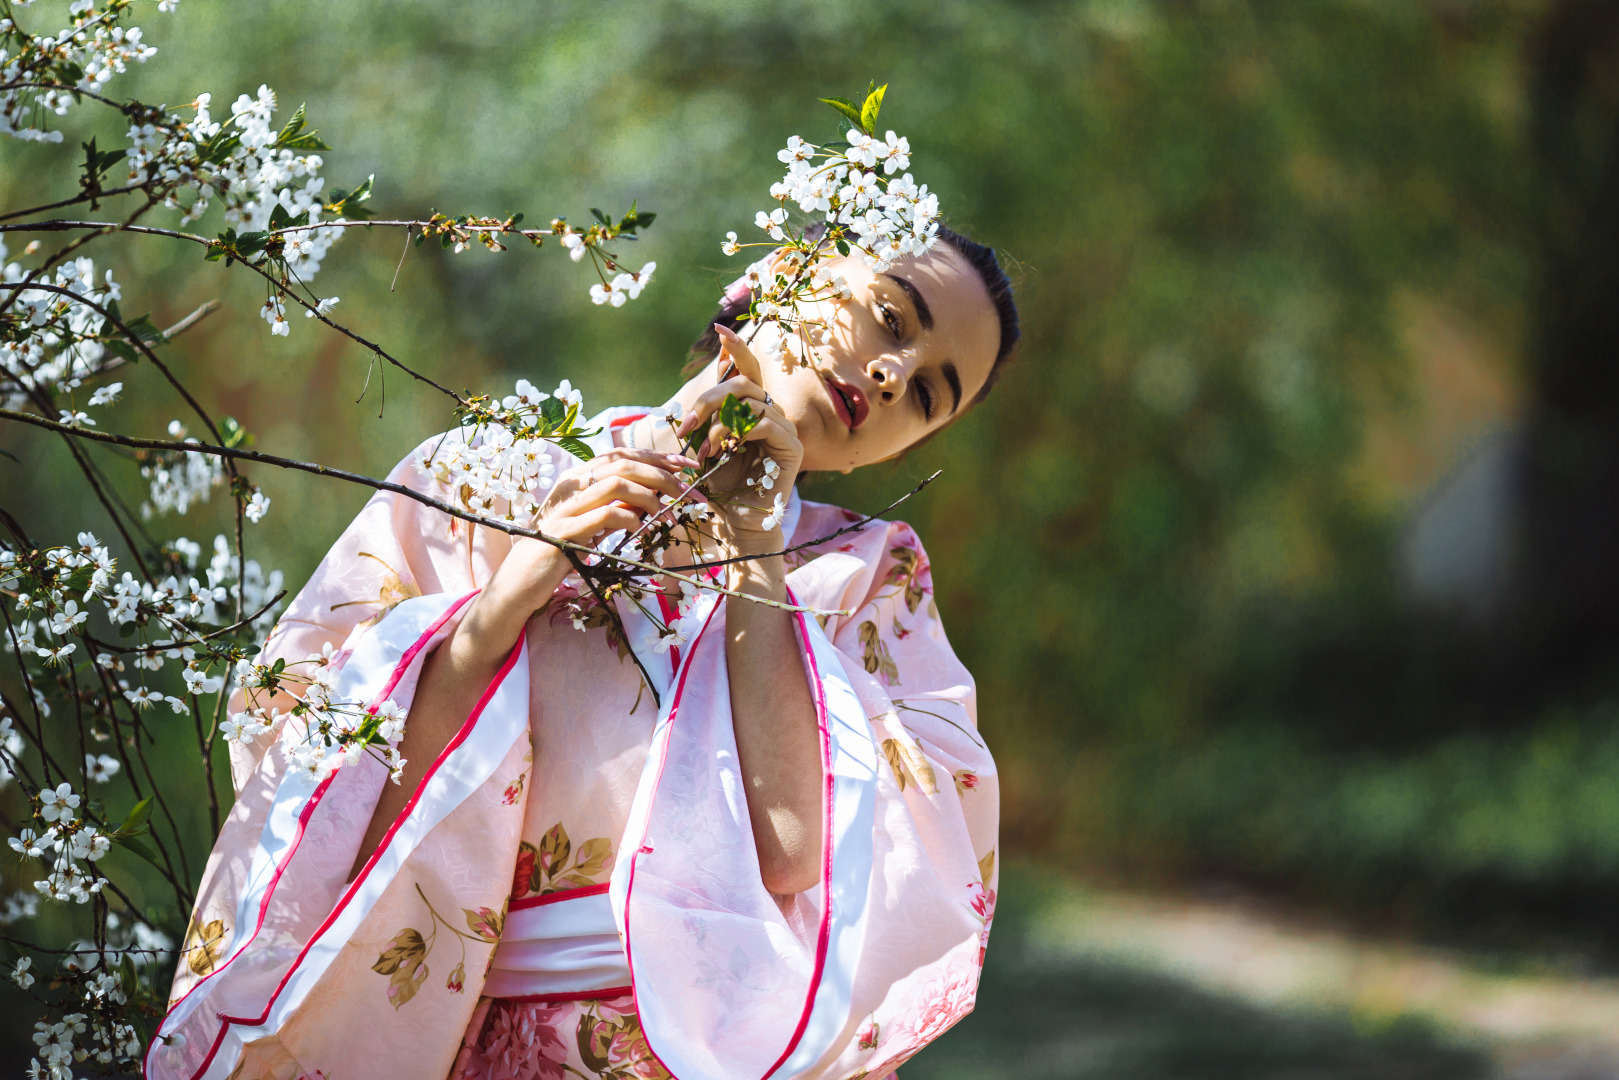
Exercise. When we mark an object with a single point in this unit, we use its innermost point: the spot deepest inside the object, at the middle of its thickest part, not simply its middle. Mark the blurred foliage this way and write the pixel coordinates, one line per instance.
(1167, 546)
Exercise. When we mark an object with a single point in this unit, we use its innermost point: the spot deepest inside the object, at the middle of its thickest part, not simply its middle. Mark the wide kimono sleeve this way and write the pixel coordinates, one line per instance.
(854, 976)
(291, 969)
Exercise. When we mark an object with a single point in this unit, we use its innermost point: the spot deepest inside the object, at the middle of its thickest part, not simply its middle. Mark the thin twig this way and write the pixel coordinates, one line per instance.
(401, 265)
(86, 197)
(143, 650)
(818, 541)
(612, 613)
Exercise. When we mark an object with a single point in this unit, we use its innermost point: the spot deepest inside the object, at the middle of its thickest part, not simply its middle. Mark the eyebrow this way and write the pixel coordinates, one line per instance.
(924, 314)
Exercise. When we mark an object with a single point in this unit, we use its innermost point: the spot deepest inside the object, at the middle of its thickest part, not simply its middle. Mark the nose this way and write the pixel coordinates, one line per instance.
(889, 377)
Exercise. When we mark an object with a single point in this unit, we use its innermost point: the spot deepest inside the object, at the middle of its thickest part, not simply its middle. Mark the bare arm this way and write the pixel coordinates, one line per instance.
(612, 492)
(777, 739)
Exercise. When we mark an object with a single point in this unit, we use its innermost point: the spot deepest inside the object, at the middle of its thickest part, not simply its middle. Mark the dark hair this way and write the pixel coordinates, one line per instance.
(978, 256)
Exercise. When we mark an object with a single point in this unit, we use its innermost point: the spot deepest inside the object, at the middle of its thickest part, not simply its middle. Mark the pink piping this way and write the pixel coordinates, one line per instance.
(303, 820)
(552, 898)
(577, 995)
(824, 933)
(387, 839)
(663, 759)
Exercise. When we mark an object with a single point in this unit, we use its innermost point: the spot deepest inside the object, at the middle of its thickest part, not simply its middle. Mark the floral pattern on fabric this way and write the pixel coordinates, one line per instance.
(404, 962)
(593, 1040)
(204, 945)
(394, 590)
(545, 868)
(930, 902)
(910, 766)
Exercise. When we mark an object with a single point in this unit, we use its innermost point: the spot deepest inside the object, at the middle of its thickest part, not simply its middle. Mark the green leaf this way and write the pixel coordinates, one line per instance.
(293, 126)
(97, 162)
(738, 415)
(576, 447)
(294, 137)
(280, 219)
(134, 823)
(234, 433)
(306, 142)
(222, 145)
(347, 203)
(844, 106)
(143, 329)
(843, 247)
(121, 349)
(869, 111)
(552, 412)
(140, 848)
(601, 217)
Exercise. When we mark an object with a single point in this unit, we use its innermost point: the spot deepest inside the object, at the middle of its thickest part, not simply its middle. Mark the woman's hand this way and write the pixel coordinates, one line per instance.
(614, 490)
(746, 519)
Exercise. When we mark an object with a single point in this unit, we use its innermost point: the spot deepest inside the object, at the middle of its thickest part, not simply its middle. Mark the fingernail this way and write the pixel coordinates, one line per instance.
(683, 461)
(703, 450)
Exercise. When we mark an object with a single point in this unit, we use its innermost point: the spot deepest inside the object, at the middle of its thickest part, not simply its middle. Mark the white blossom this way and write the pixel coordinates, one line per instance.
(101, 768)
(257, 506)
(57, 804)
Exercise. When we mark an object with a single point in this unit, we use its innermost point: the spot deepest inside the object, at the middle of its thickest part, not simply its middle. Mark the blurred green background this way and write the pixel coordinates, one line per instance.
(1285, 556)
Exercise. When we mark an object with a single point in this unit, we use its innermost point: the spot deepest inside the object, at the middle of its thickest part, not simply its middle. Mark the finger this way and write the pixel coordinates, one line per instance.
(778, 434)
(615, 489)
(594, 523)
(655, 458)
(615, 461)
(647, 466)
(773, 428)
(672, 484)
(732, 347)
(712, 398)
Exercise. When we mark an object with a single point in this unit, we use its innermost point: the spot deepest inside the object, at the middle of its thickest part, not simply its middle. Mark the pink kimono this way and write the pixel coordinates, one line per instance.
(573, 889)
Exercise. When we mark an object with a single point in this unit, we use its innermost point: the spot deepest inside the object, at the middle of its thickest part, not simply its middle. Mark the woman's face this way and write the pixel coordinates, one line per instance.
(906, 354)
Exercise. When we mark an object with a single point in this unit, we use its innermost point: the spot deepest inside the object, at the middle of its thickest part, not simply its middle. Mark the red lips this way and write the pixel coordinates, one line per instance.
(850, 403)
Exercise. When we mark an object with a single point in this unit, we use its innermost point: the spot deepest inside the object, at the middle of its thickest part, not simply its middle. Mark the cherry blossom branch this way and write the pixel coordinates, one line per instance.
(280, 287)
(74, 201)
(398, 489)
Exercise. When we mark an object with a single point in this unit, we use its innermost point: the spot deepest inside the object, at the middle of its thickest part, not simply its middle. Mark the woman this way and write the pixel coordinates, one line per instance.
(785, 868)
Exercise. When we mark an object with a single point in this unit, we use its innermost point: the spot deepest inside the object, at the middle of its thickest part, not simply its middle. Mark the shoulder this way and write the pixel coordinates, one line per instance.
(839, 530)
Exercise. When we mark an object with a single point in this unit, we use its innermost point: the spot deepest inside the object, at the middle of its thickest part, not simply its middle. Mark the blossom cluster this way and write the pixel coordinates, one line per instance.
(858, 203)
(68, 602)
(329, 731)
(178, 480)
(59, 346)
(39, 73)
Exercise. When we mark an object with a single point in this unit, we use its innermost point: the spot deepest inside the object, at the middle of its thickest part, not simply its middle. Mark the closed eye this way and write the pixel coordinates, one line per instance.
(925, 393)
(891, 319)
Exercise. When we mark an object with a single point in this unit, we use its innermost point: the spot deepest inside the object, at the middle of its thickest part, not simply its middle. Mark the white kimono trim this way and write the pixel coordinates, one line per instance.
(563, 946)
(380, 659)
